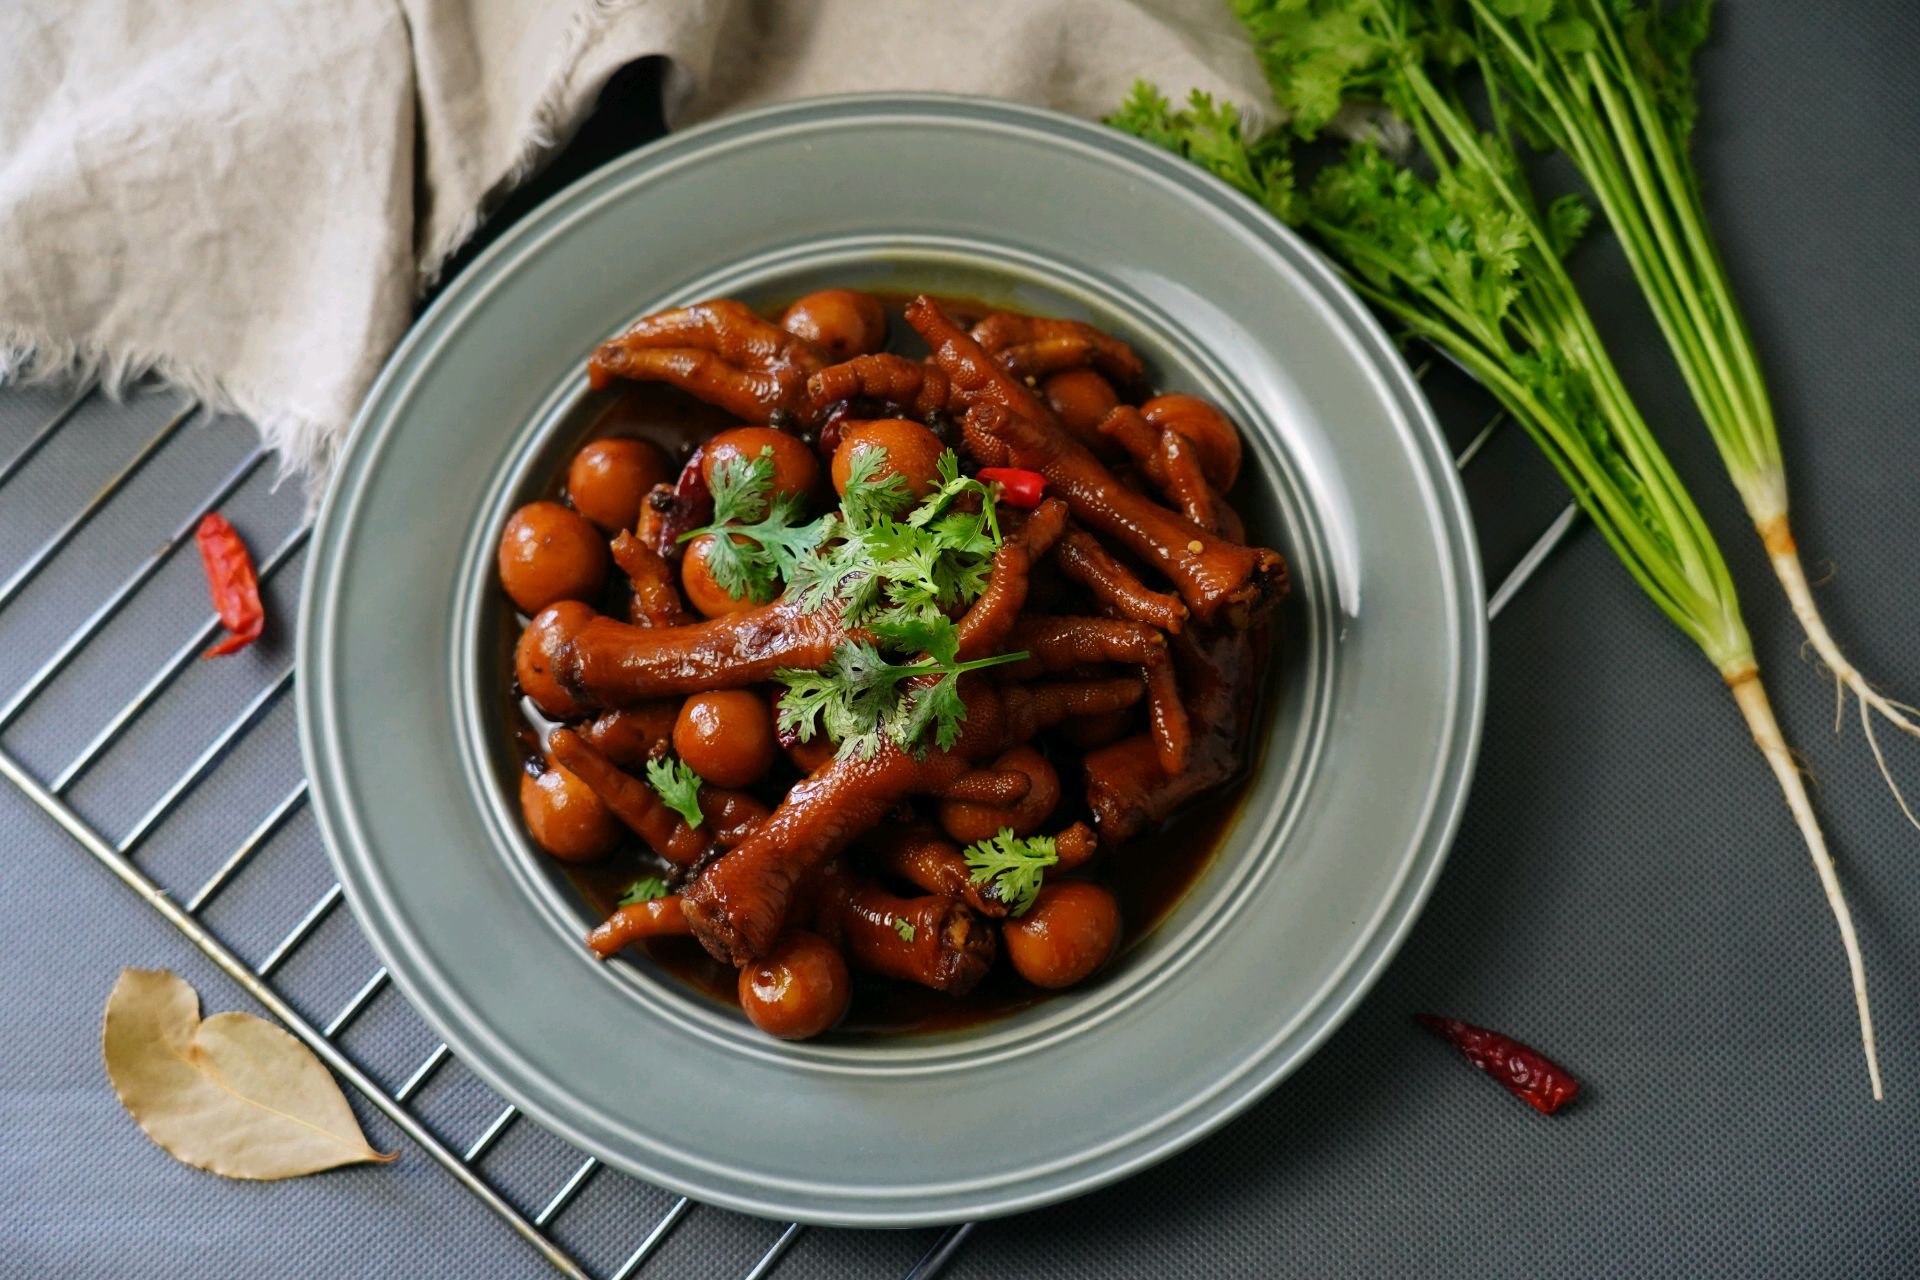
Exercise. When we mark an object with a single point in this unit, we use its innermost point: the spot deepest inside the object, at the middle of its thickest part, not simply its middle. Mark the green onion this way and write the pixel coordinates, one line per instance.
(1461, 255)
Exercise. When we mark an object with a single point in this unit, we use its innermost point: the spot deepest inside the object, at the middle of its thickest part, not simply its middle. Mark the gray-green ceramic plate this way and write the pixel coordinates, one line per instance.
(1361, 770)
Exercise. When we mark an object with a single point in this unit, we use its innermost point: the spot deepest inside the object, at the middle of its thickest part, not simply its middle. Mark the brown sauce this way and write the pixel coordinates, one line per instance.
(1148, 874)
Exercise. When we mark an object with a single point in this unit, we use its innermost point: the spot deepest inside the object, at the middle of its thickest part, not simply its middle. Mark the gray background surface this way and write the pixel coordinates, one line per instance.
(1627, 891)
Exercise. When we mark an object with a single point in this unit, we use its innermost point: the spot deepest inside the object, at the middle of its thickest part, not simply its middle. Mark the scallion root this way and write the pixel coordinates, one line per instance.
(1752, 697)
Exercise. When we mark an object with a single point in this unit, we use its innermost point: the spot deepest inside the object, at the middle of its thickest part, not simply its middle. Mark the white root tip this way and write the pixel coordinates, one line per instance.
(1846, 677)
(1752, 699)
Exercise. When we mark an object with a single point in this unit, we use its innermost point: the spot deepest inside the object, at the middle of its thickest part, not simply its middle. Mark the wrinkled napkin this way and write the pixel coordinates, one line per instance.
(248, 199)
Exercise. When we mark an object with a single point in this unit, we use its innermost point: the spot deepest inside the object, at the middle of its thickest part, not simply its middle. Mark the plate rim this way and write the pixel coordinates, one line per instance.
(1459, 554)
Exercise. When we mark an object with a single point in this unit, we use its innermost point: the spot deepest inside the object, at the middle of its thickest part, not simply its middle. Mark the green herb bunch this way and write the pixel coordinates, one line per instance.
(1446, 239)
(1610, 84)
(900, 581)
(897, 570)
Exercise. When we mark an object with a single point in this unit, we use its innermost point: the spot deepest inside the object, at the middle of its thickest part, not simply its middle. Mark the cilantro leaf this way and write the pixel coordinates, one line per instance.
(645, 889)
(741, 487)
(869, 494)
(752, 560)
(937, 706)
(1211, 135)
(904, 927)
(836, 571)
(1567, 219)
(1661, 40)
(936, 560)
(854, 700)
(901, 581)
(849, 699)
(923, 631)
(954, 486)
(1014, 865)
(678, 786)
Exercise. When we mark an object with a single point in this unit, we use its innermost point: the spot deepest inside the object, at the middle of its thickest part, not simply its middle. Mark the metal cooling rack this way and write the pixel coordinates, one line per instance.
(186, 911)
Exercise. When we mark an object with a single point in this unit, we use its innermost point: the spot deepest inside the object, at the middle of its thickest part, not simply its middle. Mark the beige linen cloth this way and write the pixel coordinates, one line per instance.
(247, 198)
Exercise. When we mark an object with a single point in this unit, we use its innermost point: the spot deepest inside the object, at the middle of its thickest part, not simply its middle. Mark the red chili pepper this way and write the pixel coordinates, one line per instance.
(1018, 487)
(235, 586)
(1528, 1074)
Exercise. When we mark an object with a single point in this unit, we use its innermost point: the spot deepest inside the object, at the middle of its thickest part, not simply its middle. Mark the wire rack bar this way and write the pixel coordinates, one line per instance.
(43, 555)
(357, 1004)
(256, 980)
(238, 859)
(492, 1133)
(301, 931)
(435, 1059)
(1530, 563)
(935, 1259)
(1464, 459)
(653, 1238)
(215, 751)
(776, 1251)
(568, 1190)
(182, 658)
(81, 394)
(256, 986)
(99, 618)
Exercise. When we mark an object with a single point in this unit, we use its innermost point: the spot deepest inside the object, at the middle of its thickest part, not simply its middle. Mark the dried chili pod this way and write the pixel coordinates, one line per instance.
(1528, 1074)
(233, 582)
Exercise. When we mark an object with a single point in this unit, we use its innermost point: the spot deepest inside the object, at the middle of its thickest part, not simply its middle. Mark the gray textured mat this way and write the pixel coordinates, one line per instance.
(1627, 891)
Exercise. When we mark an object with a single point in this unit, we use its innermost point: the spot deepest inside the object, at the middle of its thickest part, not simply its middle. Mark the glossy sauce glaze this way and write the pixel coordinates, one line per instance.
(1148, 874)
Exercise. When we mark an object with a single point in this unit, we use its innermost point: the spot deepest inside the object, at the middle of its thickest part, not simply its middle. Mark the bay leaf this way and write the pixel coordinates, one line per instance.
(233, 1094)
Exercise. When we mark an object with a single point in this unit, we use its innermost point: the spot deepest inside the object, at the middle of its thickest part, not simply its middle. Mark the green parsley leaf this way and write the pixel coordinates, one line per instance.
(849, 699)
(904, 928)
(838, 570)
(1015, 866)
(937, 560)
(678, 786)
(645, 889)
(937, 706)
(902, 581)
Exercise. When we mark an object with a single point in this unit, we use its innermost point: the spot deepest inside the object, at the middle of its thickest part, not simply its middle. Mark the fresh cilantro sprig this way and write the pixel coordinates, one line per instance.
(863, 555)
(1014, 864)
(870, 495)
(678, 787)
(758, 537)
(1437, 224)
(645, 889)
(856, 700)
(904, 927)
(742, 486)
(936, 559)
(953, 487)
(1210, 135)
(899, 581)
(896, 569)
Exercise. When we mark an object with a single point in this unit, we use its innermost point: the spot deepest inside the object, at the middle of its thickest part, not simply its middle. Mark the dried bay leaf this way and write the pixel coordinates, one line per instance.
(233, 1094)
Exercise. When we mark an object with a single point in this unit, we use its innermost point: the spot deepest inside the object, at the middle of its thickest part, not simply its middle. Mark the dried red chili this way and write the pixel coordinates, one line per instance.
(1018, 486)
(235, 586)
(1528, 1074)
